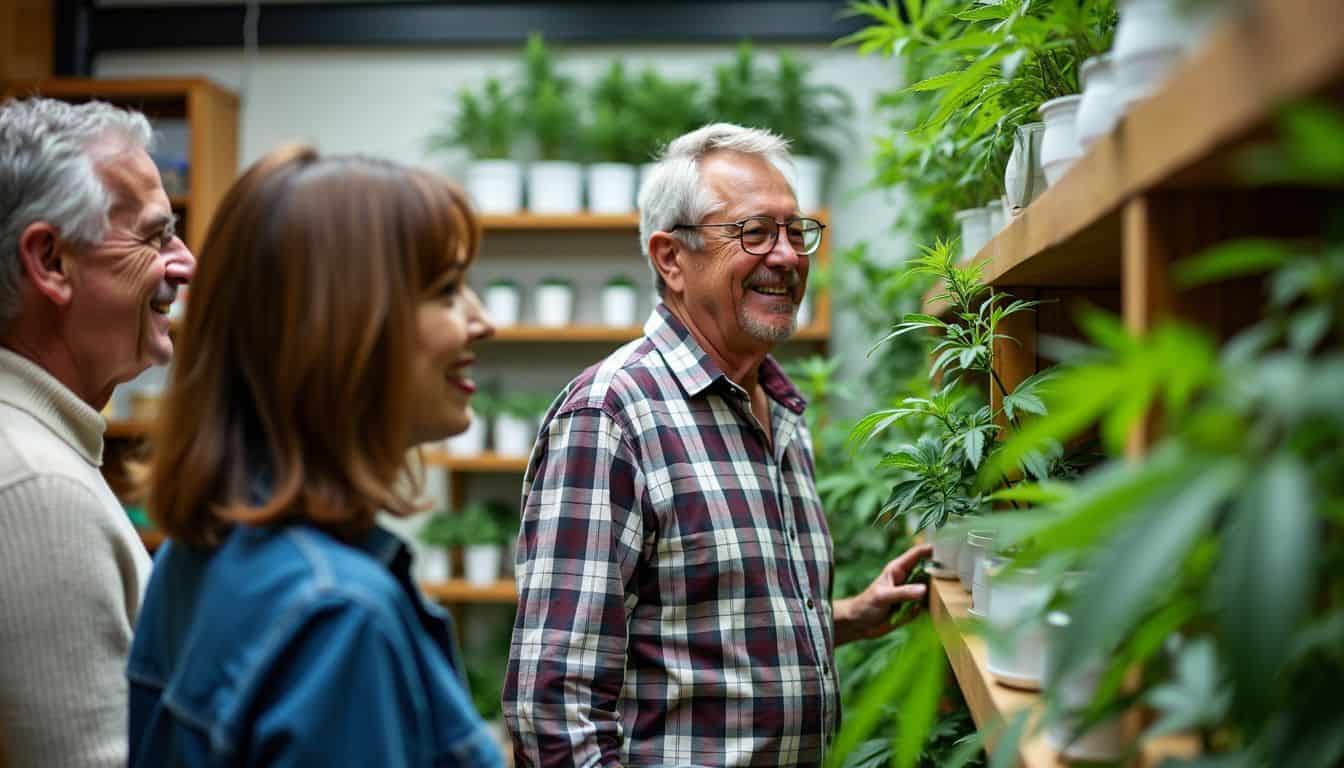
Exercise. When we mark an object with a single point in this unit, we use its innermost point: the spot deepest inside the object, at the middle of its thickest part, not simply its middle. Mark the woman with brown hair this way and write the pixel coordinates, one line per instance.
(329, 331)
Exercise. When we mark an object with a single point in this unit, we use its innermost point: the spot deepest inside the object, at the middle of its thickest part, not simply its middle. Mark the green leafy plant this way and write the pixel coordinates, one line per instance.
(523, 405)
(550, 104)
(814, 118)
(486, 124)
(662, 110)
(441, 530)
(743, 92)
(482, 522)
(612, 136)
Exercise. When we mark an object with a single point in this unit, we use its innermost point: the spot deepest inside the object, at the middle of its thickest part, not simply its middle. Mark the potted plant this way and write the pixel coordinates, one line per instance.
(812, 117)
(613, 145)
(439, 533)
(554, 302)
(620, 302)
(516, 417)
(662, 110)
(486, 125)
(1100, 108)
(502, 302)
(484, 537)
(1059, 146)
(550, 114)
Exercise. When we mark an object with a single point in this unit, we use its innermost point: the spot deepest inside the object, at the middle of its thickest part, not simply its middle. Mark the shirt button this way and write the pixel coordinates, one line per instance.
(825, 669)
(793, 534)
(809, 602)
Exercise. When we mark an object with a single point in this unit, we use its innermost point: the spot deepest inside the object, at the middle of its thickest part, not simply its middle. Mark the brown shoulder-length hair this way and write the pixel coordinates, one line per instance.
(290, 396)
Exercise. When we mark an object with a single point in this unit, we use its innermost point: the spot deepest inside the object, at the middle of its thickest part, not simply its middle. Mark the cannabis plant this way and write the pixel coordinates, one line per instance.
(486, 124)
(550, 104)
(813, 117)
(613, 136)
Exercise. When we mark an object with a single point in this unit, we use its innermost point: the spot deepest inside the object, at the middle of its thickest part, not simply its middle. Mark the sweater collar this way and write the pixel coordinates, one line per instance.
(30, 388)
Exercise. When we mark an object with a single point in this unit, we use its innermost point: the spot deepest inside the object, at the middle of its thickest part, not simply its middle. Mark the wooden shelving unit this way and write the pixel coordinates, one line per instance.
(485, 462)
(991, 703)
(1159, 189)
(522, 222)
(211, 113)
(462, 591)
(612, 334)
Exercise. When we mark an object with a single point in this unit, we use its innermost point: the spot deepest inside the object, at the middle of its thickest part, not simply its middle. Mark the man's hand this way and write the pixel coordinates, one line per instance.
(868, 614)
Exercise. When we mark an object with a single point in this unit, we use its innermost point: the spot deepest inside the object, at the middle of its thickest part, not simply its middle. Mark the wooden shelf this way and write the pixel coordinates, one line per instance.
(606, 334)
(524, 222)
(128, 428)
(1181, 138)
(991, 703)
(484, 462)
(462, 591)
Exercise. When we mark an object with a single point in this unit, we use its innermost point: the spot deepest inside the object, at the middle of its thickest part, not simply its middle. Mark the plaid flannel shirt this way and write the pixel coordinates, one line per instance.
(674, 572)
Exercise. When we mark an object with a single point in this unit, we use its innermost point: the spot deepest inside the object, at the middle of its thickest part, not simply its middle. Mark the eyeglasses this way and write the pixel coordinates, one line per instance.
(759, 233)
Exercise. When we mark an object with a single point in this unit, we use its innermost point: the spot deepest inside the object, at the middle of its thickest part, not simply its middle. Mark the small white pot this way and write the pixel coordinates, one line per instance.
(1023, 177)
(513, 435)
(496, 186)
(554, 304)
(502, 303)
(807, 177)
(481, 563)
(434, 564)
(620, 305)
(997, 218)
(946, 552)
(1105, 741)
(981, 544)
(1017, 647)
(555, 187)
(468, 443)
(1060, 147)
(974, 223)
(1150, 39)
(1099, 110)
(645, 170)
(971, 548)
(611, 187)
(802, 318)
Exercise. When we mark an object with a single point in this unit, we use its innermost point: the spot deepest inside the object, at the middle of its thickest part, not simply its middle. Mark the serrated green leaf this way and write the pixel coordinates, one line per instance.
(1235, 259)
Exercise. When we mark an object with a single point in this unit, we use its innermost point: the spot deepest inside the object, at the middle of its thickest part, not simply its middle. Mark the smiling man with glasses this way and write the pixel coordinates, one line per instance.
(674, 564)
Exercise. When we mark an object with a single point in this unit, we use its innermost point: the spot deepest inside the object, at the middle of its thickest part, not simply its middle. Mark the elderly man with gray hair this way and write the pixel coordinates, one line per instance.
(674, 563)
(89, 264)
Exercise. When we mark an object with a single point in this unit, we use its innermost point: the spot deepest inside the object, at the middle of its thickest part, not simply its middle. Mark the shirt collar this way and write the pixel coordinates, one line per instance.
(30, 388)
(696, 371)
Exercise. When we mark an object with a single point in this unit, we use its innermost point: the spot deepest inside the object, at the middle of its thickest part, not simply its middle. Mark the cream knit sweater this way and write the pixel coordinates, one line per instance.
(72, 571)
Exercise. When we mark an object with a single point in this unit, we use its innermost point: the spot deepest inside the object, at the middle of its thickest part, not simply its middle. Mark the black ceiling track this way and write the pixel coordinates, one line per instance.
(421, 24)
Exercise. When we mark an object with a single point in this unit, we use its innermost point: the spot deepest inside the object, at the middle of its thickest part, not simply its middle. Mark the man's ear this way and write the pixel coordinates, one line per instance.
(44, 264)
(666, 252)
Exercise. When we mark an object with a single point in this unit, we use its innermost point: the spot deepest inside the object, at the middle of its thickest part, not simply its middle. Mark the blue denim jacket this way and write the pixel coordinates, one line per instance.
(288, 647)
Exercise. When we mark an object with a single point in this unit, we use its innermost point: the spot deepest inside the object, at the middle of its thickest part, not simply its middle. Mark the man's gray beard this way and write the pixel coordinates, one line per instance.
(767, 333)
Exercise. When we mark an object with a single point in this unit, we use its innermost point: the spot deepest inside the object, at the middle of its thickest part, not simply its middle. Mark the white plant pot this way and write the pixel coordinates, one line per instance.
(481, 563)
(979, 542)
(970, 550)
(620, 305)
(974, 223)
(502, 303)
(1099, 110)
(513, 435)
(555, 187)
(946, 552)
(1104, 741)
(808, 174)
(496, 186)
(1150, 39)
(1016, 607)
(611, 187)
(468, 443)
(554, 304)
(434, 564)
(645, 170)
(802, 318)
(997, 218)
(1060, 147)
(1023, 177)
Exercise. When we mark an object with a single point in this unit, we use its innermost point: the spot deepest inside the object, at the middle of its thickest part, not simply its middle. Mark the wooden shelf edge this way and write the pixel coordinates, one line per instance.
(463, 591)
(484, 462)
(121, 86)
(126, 428)
(816, 332)
(991, 703)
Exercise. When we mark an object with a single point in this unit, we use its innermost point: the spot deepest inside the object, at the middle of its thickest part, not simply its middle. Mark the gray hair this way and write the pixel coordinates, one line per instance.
(46, 174)
(673, 193)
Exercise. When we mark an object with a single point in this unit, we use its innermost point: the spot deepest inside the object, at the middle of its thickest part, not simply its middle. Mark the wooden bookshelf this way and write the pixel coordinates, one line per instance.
(484, 462)
(524, 222)
(462, 591)
(1180, 141)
